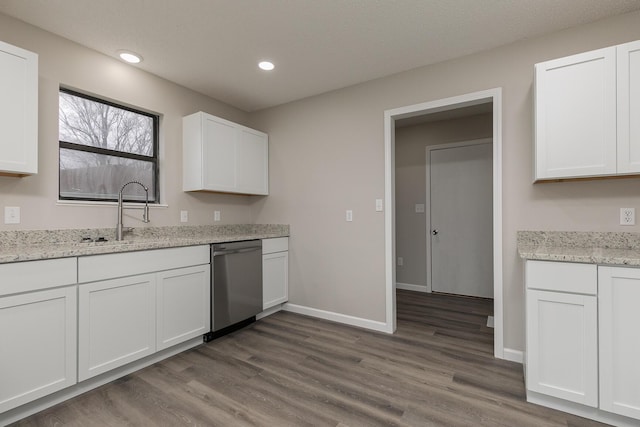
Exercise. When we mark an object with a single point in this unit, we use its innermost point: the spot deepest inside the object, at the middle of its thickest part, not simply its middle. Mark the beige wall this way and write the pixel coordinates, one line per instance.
(328, 156)
(411, 141)
(62, 62)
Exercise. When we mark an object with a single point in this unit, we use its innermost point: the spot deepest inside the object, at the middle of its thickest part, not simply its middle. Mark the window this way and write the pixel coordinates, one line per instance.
(103, 146)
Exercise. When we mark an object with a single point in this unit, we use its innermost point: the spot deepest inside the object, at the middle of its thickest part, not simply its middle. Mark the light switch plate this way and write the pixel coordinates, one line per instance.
(349, 216)
(378, 205)
(12, 215)
(419, 207)
(216, 215)
(184, 216)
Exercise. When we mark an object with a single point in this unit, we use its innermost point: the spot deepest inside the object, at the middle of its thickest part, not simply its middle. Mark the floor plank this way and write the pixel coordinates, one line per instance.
(291, 370)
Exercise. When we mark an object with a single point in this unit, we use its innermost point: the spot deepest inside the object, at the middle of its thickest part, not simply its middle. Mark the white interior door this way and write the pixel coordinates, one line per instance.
(460, 220)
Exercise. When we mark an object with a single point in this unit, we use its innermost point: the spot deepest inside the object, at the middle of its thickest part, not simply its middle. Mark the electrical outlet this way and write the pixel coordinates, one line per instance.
(216, 215)
(400, 261)
(12, 215)
(349, 215)
(184, 216)
(627, 216)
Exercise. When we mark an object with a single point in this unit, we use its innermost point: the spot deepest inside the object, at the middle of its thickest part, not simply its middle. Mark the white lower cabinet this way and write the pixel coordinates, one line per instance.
(127, 318)
(275, 272)
(38, 315)
(116, 323)
(183, 312)
(37, 345)
(583, 341)
(68, 320)
(562, 346)
(619, 319)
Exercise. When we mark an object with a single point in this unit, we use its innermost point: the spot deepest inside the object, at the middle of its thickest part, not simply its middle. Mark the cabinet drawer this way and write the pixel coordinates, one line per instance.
(279, 244)
(36, 275)
(562, 277)
(110, 266)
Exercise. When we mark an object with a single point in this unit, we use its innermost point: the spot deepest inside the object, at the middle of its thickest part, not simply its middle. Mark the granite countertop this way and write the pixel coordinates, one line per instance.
(29, 245)
(605, 248)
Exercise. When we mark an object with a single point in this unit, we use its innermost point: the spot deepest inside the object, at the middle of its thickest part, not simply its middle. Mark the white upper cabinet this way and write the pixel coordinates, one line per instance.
(584, 109)
(18, 111)
(222, 156)
(628, 56)
(575, 129)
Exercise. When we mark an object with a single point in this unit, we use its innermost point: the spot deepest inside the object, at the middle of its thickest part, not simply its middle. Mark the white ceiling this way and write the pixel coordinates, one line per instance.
(213, 46)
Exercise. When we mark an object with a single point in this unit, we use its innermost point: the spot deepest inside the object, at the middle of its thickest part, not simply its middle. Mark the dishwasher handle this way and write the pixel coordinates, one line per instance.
(223, 251)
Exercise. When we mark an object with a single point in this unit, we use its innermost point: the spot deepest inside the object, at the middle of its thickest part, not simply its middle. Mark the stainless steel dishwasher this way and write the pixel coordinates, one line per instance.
(236, 292)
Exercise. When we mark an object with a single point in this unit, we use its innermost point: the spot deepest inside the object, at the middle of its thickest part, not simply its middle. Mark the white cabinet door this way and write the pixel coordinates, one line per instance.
(253, 162)
(116, 323)
(37, 345)
(562, 346)
(575, 114)
(219, 154)
(222, 156)
(18, 111)
(183, 301)
(619, 318)
(628, 56)
(275, 279)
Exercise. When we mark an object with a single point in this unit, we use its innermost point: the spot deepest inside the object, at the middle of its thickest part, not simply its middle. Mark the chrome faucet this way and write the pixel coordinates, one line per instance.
(145, 214)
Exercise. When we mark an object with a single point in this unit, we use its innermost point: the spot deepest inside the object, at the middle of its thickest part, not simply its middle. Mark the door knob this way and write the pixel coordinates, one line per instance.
(434, 232)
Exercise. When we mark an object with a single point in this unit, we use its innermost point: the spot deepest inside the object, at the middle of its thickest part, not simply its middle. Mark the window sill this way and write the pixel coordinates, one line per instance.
(127, 205)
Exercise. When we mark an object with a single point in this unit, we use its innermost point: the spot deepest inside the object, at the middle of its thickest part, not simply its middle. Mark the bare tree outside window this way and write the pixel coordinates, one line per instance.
(103, 146)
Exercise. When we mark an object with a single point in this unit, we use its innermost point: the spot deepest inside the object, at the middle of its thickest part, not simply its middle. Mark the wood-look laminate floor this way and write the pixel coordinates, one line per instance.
(292, 370)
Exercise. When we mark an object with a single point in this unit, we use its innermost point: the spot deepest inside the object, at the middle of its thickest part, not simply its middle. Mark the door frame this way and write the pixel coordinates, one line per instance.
(493, 96)
(427, 211)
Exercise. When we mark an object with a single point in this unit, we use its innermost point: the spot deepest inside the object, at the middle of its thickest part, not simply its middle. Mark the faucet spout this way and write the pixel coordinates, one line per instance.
(145, 214)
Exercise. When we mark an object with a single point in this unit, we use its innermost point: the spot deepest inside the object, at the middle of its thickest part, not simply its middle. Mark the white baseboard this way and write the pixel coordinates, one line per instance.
(509, 354)
(411, 287)
(269, 311)
(513, 355)
(339, 318)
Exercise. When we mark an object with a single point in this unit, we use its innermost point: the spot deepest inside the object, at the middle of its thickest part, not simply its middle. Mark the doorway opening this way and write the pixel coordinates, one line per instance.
(491, 102)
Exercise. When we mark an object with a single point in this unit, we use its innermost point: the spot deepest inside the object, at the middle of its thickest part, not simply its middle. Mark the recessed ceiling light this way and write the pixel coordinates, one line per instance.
(266, 65)
(130, 57)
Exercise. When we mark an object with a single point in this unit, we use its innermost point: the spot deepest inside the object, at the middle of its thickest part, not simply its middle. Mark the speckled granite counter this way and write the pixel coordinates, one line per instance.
(29, 245)
(607, 248)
